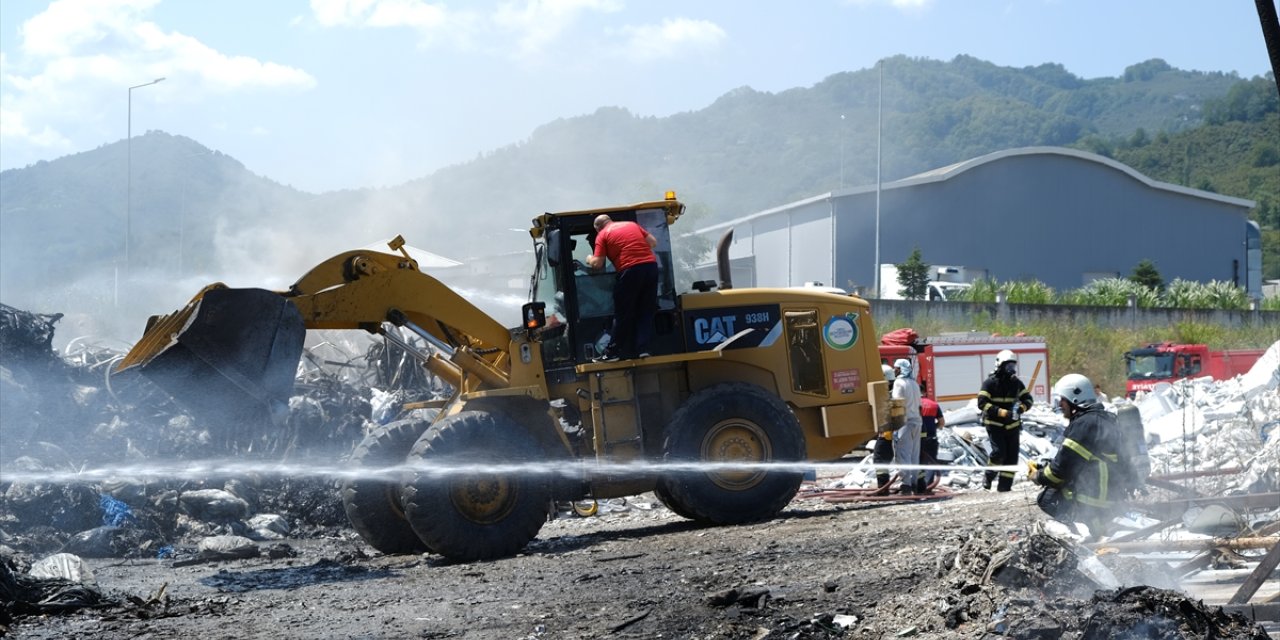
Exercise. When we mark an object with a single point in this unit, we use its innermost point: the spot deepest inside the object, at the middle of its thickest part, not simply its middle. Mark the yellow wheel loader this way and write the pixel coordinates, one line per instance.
(741, 377)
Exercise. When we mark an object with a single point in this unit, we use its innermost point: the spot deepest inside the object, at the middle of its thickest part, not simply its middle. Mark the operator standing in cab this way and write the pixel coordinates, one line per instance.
(906, 440)
(1001, 402)
(1088, 470)
(635, 291)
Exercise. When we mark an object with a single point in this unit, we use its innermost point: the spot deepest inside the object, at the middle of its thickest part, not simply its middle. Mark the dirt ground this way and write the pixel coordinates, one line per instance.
(978, 565)
(974, 566)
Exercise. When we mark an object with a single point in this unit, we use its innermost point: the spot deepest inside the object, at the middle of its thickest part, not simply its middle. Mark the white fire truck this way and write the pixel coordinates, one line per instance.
(951, 367)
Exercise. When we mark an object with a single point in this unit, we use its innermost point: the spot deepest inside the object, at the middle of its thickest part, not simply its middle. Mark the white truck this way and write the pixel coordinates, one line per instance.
(944, 285)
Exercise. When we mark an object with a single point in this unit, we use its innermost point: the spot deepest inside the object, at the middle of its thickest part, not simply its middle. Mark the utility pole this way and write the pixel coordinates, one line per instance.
(128, 207)
(879, 124)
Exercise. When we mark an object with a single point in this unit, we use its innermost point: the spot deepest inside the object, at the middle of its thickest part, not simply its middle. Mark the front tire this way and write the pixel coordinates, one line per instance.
(372, 503)
(725, 423)
(476, 514)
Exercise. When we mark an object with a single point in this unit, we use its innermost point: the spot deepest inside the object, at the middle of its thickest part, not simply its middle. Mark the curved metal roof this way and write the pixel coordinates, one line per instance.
(951, 171)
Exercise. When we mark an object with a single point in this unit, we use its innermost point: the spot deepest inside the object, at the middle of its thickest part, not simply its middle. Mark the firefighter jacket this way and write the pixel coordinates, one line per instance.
(1087, 468)
(1000, 392)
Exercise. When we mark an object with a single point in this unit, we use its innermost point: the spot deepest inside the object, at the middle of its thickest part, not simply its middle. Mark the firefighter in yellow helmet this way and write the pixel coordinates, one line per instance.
(1088, 472)
(1001, 402)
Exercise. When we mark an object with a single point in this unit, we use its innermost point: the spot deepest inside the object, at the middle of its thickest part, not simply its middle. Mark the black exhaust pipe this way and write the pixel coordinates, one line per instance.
(722, 260)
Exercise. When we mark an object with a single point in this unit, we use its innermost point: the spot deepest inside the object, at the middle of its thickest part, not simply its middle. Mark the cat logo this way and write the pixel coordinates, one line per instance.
(713, 330)
(758, 325)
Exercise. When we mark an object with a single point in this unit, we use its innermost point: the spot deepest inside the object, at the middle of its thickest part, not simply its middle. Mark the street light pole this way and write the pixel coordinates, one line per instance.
(841, 153)
(128, 209)
(879, 127)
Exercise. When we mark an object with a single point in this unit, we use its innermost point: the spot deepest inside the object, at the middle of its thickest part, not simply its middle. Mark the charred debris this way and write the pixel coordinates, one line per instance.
(61, 413)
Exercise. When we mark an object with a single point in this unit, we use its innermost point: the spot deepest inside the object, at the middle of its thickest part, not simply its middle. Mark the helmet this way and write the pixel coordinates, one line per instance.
(903, 366)
(888, 372)
(1006, 363)
(1076, 389)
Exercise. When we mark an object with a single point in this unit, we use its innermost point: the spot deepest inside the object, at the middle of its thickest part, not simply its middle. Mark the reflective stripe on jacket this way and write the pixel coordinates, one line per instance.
(1082, 470)
(1002, 393)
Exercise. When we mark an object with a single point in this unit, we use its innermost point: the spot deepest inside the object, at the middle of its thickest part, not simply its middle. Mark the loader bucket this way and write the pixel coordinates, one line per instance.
(229, 356)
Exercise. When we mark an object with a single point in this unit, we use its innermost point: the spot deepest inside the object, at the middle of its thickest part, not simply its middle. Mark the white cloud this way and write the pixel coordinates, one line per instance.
(907, 6)
(68, 26)
(674, 36)
(187, 57)
(532, 26)
(431, 20)
(416, 14)
(14, 130)
(75, 52)
(537, 24)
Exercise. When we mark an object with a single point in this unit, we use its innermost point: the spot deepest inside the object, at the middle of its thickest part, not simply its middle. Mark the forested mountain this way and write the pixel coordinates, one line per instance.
(1236, 152)
(197, 212)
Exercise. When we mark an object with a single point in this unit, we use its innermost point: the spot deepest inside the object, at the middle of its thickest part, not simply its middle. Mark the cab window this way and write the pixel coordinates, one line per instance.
(804, 348)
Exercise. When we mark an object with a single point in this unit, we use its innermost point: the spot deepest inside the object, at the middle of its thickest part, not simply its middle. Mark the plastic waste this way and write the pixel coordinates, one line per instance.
(114, 512)
(63, 566)
(998, 623)
(228, 547)
(1091, 566)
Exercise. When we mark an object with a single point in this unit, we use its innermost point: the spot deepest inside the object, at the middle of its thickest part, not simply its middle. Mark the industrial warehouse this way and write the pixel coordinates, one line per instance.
(1061, 216)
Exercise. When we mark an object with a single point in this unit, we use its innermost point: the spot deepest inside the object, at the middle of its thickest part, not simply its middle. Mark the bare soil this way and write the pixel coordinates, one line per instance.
(973, 566)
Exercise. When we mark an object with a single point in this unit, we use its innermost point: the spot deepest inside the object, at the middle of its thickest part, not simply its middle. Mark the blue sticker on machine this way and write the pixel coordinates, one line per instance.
(841, 332)
(704, 329)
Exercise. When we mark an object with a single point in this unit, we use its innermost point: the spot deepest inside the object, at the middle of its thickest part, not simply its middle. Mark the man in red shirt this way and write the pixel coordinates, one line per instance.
(635, 292)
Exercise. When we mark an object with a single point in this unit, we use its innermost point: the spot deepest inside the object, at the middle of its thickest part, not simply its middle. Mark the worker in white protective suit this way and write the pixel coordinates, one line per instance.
(906, 440)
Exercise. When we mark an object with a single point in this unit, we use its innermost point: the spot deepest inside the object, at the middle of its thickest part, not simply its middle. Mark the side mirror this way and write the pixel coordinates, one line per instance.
(534, 314)
(553, 247)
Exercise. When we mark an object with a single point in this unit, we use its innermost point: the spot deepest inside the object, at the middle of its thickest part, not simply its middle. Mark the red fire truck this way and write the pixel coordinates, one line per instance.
(1168, 361)
(953, 366)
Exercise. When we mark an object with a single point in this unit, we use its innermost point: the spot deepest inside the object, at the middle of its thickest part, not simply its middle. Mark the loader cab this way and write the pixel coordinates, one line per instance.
(581, 300)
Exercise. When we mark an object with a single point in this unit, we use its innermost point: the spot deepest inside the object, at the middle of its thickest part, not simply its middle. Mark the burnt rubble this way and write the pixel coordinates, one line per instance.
(66, 413)
(59, 415)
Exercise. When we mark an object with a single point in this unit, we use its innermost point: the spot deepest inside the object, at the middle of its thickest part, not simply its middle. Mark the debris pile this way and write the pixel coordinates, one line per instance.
(60, 414)
(63, 413)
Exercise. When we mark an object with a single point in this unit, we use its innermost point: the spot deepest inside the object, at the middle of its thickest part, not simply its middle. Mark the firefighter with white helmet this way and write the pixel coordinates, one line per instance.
(1088, 472)
(906, 440)
(1001, 402)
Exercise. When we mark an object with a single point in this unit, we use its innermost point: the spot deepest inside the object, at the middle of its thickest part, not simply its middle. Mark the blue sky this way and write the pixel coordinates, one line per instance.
(335, 94)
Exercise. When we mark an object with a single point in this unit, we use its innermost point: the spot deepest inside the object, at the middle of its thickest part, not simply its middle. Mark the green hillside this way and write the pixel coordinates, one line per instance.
(196, 210)
(1236, 152)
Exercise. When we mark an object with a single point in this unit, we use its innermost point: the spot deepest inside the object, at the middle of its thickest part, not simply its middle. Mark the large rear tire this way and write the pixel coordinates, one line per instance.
(476, 514)
(671, 503)
(724, 423)
(373, 503)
